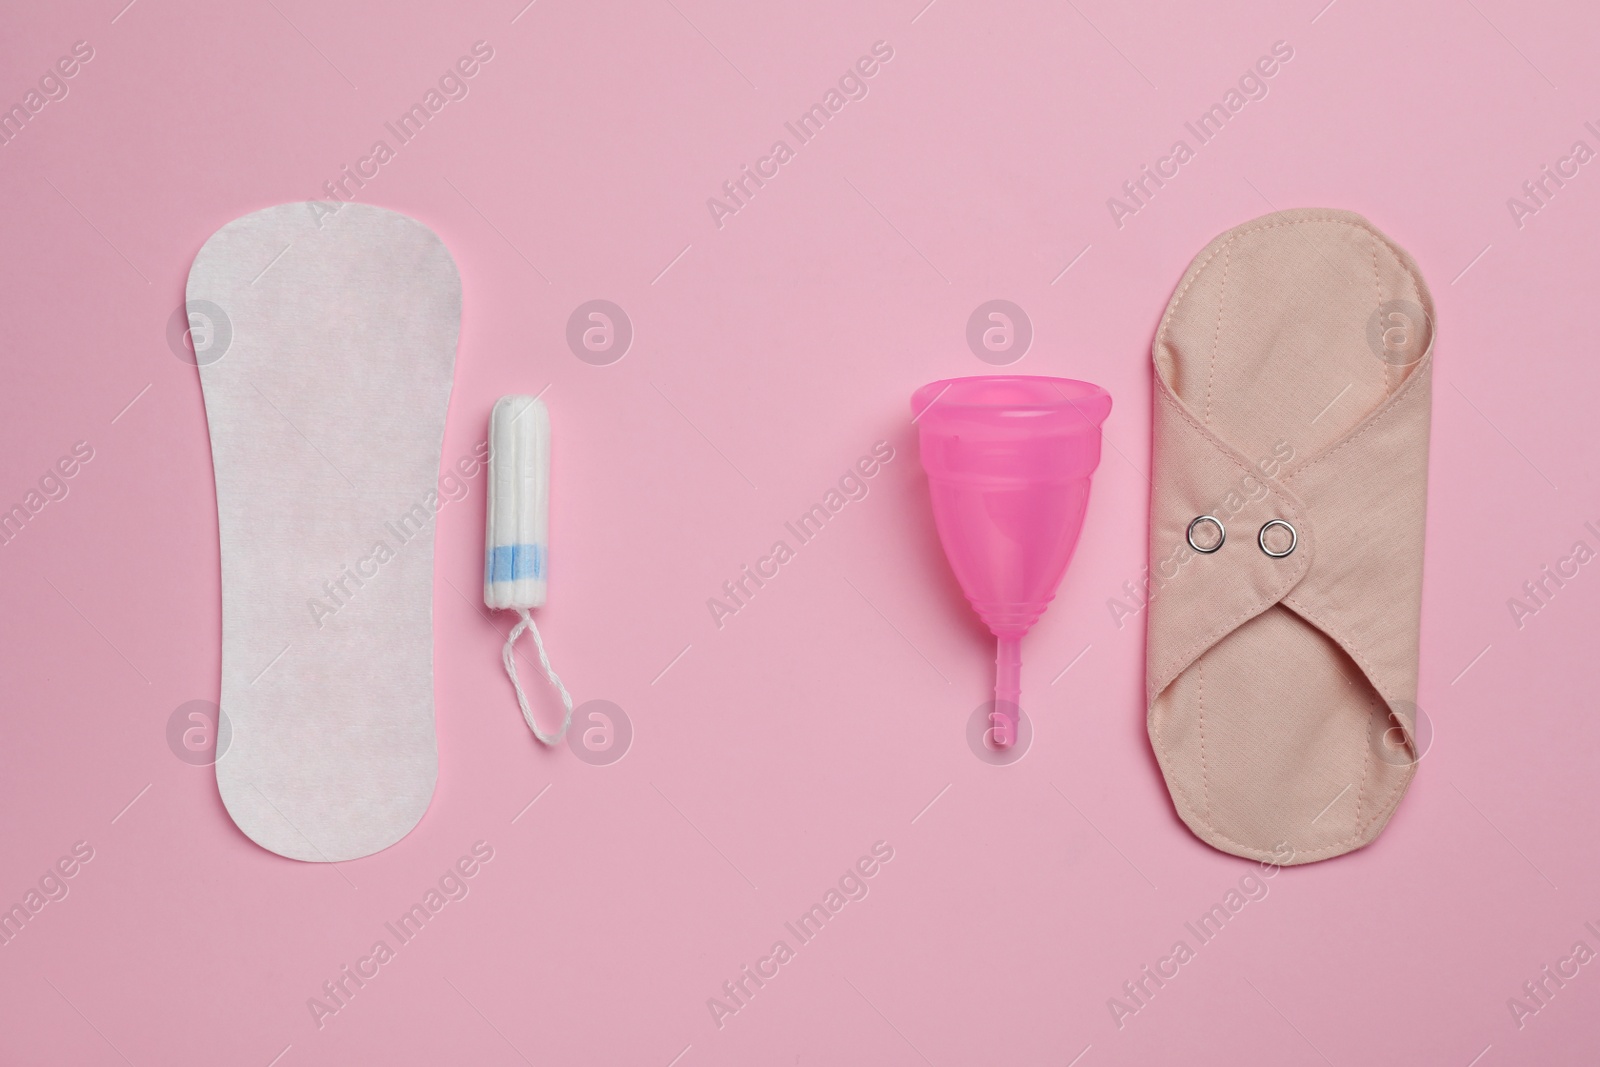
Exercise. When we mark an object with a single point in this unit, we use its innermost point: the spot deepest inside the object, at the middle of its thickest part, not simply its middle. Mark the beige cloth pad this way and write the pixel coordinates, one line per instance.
(1293, 378)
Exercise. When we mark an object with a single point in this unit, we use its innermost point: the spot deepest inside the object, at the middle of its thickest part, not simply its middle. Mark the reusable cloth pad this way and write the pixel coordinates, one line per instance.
(326, 414)
(1293, 374)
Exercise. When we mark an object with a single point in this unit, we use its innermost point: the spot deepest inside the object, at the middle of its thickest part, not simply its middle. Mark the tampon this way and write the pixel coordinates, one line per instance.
(517, 533)
(516, 545)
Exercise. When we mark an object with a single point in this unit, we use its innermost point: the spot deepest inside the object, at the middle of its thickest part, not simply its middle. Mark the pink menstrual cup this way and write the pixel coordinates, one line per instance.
(1008, 460)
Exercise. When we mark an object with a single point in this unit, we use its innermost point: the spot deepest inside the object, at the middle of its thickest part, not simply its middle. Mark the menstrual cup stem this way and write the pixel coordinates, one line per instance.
(1007, 689)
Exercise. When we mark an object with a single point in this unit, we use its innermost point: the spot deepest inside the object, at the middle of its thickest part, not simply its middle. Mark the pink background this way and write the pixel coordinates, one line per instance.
(829, 713)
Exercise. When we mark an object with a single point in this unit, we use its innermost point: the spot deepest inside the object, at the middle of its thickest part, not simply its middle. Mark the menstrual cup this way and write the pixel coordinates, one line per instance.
(1008, 460)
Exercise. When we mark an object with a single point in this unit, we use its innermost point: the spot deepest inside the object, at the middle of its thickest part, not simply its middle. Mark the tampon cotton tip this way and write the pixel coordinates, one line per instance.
(517, 533)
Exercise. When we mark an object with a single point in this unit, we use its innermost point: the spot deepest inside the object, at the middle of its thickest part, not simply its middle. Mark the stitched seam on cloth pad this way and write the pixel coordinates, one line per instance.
(1195, 272)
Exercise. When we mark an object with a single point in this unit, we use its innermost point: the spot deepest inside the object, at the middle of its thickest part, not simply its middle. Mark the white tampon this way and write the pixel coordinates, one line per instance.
(517, 534)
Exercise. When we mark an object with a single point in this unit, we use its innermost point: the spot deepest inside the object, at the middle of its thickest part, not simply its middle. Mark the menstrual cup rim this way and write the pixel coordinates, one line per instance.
(1088, 392)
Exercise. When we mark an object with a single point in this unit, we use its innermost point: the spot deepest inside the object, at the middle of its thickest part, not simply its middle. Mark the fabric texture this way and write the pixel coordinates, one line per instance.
(326, 414)
(1293, 372)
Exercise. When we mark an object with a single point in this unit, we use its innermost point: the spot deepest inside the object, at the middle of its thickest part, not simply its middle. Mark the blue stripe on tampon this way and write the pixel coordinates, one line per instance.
(507, 563)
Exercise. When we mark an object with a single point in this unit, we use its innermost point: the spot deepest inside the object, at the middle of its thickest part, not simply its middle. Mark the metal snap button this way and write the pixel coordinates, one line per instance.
(1222, 533)
(1261, 538)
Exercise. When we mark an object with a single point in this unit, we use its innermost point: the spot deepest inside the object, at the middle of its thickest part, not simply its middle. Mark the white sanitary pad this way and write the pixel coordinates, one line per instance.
(326, 414)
